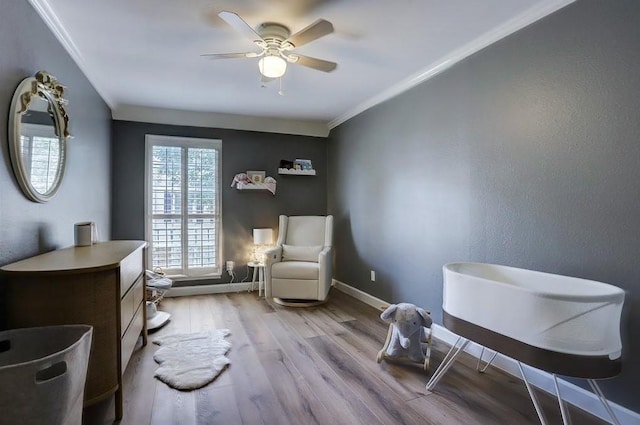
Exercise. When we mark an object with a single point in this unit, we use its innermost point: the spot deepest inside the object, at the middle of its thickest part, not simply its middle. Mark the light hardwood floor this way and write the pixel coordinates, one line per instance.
(315, 366)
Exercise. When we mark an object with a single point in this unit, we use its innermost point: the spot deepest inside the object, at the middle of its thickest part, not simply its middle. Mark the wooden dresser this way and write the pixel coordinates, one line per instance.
(102, 285)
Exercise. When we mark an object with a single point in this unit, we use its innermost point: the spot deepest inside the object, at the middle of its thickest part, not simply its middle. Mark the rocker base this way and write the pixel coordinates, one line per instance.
(287, 302)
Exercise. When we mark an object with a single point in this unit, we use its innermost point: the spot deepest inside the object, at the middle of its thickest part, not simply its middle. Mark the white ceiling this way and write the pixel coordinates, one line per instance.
(142, 55)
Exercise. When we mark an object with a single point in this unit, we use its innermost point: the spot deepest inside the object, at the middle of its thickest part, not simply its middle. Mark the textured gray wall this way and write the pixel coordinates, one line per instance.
(241, 210)
(525, 154)
(27, 228)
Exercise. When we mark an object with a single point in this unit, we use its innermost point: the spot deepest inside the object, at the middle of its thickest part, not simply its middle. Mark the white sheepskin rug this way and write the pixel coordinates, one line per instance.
(191, 361)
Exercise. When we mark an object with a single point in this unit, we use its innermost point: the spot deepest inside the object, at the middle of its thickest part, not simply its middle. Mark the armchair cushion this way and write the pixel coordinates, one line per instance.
(301, 253)
(295, 270)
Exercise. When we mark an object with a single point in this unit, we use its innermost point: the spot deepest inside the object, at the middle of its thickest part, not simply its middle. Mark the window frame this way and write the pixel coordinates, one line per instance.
(185, 273)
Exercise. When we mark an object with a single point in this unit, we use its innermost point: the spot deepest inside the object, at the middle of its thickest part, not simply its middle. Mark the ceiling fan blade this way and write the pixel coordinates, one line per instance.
(230, 55)
(319, 64)
(240, 25)
(314, 31)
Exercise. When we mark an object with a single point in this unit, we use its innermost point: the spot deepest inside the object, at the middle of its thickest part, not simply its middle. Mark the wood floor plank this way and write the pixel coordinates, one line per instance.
(200, 314)
(296, 319)
(252, 321)
(173, 407)
(332, 391)
(298, 400)
(337, 313)
(251, 386)
(217, 404)
(360, 311)
(368, 387)
(137, 379)
(317, 366)
(406, 383)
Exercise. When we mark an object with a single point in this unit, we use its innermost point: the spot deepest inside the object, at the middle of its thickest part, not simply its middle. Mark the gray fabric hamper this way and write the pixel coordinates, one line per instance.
(42, 374)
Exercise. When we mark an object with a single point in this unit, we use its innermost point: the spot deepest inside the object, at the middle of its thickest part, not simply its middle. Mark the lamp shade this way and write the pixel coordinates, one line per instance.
(262, 236)
(272, 66)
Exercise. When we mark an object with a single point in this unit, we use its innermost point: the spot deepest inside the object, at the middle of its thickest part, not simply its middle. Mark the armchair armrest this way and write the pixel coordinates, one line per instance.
(325, 253)
(271, 256)
(325, 260)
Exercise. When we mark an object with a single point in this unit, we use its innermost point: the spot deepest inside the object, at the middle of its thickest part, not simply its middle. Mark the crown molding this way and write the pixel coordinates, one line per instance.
(520, 21)
(44, 9)
(217, 120)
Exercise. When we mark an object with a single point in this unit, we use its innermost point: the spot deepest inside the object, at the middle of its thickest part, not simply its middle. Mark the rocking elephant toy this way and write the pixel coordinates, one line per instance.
(407, 334)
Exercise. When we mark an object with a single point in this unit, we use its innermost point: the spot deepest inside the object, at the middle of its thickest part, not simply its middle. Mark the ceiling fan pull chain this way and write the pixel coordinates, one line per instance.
(281, 91)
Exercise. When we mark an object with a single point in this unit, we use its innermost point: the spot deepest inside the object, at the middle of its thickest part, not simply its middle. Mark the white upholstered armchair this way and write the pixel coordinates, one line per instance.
(298, 271)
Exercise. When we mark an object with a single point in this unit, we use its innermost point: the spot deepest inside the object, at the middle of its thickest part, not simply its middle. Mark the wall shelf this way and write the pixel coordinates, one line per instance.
(292, 172)
(252, 186)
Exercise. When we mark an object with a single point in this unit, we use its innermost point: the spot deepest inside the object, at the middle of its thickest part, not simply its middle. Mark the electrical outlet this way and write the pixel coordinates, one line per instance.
(230, 265)
(373, 276)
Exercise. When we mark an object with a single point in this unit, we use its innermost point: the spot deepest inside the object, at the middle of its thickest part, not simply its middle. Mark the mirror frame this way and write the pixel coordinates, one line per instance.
(46, 87)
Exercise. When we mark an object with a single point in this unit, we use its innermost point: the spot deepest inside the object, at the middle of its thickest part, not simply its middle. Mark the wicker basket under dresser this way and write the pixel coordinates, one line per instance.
(102, 285)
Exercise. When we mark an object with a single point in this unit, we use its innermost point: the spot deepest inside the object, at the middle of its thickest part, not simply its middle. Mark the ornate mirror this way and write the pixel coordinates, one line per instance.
(38, 133)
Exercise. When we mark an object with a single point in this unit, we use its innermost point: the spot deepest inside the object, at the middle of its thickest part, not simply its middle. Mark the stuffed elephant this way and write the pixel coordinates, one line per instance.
(408, 331)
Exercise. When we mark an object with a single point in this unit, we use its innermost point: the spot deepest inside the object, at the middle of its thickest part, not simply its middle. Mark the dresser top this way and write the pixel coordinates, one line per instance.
(77, 259)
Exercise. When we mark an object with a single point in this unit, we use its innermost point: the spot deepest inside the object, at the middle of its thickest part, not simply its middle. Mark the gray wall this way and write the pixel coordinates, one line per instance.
(525, 154)
(27, 228)
(241, 210)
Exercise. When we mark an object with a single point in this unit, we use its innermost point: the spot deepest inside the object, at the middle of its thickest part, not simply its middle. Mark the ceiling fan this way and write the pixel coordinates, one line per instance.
(277, 43)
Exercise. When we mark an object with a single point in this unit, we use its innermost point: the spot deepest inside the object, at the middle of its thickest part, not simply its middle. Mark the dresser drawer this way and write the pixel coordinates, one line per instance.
(130, 304)
(130, 269)
(130, 337)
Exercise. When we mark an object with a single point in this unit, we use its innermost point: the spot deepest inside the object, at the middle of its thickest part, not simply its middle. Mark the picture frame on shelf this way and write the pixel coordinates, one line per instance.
(256, 177)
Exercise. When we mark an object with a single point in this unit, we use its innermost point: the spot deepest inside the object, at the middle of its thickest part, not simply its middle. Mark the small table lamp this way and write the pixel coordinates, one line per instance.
(262, 239)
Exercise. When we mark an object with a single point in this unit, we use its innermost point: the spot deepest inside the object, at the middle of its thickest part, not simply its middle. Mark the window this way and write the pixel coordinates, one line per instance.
(183, 224)
(40, 153)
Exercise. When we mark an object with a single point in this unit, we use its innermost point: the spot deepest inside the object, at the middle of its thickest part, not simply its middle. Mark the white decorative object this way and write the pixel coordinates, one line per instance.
(242, 181)
(262, 240)
(294, 172)
(192, 360)
(262, 236)
(256, 177)
(85, 233)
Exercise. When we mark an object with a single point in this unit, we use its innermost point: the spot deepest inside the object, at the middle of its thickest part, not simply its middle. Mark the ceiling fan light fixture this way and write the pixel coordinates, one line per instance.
(272, 66)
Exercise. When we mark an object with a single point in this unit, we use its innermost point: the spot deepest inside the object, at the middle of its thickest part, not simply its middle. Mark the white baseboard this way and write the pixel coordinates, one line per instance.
(360, 295)
(571, 393)
(221, 288)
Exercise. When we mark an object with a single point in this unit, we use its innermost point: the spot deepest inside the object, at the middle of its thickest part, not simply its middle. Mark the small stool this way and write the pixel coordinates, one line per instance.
(258, 272)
